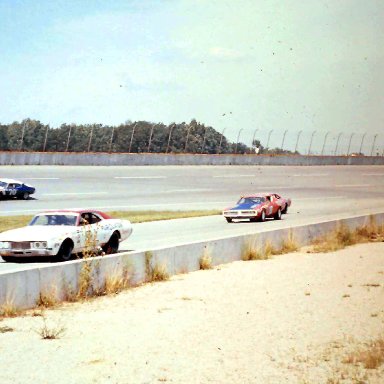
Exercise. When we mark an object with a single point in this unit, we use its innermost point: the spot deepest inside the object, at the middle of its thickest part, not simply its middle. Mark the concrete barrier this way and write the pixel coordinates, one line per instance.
(64, 158)
(23, 288)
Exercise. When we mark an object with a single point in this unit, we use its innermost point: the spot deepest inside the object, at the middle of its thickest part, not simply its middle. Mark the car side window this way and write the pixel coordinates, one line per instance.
(89, 218)
(94, 219)
(85, 219)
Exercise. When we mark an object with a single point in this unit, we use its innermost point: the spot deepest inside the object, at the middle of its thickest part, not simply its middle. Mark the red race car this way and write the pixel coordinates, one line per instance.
(258, 207)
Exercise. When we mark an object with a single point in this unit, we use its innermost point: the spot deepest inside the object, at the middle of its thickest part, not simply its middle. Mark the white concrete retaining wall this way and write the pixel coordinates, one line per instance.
(22, 288)
(62, 158)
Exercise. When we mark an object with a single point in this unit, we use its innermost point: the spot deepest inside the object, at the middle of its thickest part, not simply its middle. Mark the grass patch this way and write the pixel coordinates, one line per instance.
(11, 222)
(343, 237)
(253, 252)
(5, 329)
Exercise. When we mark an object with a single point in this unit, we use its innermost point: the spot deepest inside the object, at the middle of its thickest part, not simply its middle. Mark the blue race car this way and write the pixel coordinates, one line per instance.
(14, 188)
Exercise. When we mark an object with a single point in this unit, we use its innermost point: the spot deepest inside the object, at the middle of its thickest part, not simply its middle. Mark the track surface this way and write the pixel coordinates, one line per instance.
(318, 193)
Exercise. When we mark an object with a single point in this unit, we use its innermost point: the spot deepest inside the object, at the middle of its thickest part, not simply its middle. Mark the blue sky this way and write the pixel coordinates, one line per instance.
(313, 65)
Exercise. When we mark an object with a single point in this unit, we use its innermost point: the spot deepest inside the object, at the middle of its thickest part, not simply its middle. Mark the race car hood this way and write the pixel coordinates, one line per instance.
(36, 233)
(244, 206)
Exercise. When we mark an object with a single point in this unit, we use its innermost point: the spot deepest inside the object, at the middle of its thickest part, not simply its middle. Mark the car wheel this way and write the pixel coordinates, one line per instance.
(65, 251)
(277, 215)
(262, 216)
(113, 244)
(229, 220)
(25, 196)
(285, 210)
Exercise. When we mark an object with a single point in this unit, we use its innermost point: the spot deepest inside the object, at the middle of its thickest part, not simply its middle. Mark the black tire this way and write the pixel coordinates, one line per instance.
(262, 216)
(65, 251)
(229, 220)
(112, 246)
(24, 196)
(277, 215)
(285, 210)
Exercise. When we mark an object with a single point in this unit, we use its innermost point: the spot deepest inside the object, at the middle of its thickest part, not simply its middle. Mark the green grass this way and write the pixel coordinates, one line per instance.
(10, 222)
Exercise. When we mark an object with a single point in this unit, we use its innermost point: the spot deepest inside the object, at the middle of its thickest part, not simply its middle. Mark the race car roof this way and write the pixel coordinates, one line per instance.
(11, 181)
(78, 211)
(257, 195)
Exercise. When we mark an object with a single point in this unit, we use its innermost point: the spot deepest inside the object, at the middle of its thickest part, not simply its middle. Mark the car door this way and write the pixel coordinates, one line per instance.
(87, 233)
(12, 189)
(279, 201)
(274, 206)
(270, 206)
(99, 228)
(19, 190)
(95, 232)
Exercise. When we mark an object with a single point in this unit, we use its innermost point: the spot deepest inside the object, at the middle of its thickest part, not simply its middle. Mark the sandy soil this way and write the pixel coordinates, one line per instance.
(290, 319)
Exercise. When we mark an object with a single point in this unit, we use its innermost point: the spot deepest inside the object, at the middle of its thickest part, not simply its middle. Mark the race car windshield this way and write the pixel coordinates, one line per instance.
(54, 220)
(251, 200)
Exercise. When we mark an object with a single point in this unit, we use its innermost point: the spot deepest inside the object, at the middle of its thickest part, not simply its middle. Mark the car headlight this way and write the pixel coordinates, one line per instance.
(39, 244)
(4, 244)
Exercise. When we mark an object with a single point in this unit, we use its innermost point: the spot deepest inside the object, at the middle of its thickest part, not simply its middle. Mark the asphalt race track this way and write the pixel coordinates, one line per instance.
(318, 193)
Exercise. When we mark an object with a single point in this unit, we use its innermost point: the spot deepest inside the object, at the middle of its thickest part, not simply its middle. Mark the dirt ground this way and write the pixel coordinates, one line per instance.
(291, 319)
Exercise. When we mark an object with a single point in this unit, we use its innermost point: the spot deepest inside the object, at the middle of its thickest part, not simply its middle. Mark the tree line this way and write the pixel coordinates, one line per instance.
(135, 137)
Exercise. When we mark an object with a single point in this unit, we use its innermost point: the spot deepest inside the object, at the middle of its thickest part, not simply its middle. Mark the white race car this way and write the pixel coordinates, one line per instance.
(63, 233)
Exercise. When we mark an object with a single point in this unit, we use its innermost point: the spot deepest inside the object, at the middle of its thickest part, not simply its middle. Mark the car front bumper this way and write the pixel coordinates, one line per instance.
(241, 214)
(25, 252)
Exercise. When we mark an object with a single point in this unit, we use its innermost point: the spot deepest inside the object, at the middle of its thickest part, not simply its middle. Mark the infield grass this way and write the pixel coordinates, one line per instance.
(10, 222)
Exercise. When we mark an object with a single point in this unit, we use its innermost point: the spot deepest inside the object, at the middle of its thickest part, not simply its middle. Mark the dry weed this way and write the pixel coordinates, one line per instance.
(8, 309)
(269, 250)
(343, 237)
(47, 299)
(5, 329)
(159, 273)
(154, 273)
(289, 244)
(371, 357)
(205, 261)
(335, 240)
(251, 252)
(116, 282)
(50, 332)
(85, 280)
